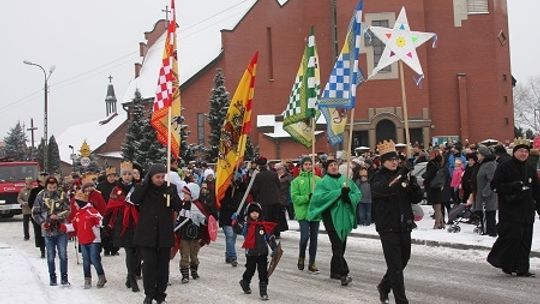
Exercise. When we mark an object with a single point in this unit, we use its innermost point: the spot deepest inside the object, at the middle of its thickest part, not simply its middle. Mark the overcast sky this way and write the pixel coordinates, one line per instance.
(89, 40)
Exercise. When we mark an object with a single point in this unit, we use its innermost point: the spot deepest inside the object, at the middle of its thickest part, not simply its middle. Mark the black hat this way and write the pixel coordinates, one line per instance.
(261, 161)
(156, 169)
(499, 150)
(472, 156)
(254, 206)
(306, 159)
(388, 156)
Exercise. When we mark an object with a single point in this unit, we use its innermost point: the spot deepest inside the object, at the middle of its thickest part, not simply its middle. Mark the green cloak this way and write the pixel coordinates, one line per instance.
(328, 195)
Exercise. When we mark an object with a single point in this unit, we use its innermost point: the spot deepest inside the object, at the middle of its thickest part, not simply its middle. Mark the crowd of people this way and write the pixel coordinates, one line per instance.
(152, 220)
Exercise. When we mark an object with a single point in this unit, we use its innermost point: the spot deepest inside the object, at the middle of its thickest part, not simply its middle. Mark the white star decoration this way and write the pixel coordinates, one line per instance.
(401, 43)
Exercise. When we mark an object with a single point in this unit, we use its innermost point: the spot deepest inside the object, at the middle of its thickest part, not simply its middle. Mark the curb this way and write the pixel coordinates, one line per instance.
(535, 254)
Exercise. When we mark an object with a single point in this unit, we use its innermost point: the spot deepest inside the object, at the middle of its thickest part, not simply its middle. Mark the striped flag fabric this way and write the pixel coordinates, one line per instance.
(235, 130)
(302, 106)
(340, 91)
(168, 92)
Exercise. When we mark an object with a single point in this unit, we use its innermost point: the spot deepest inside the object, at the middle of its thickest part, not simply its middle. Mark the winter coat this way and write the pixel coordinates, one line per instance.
(33, 194)
(285, 188)
(155, 228)
(434, 195)
(392, 204)
(456, 178)
(516, 203)
(468, 181)
(452, 161)
(122, 216)
(257, 237)
(86, 223)
(301, 191)
(504, 158)
(266, 187)
(327, 199)
(22, 199)
(106, 188)
(95, 198)
(47, 204)
(230, 202)
(365, 188)
(484, 193)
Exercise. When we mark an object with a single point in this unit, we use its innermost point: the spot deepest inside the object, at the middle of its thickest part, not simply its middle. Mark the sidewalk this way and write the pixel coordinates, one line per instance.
(426, 235)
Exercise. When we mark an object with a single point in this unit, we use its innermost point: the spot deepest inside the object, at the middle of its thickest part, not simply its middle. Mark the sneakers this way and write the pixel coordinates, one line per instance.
(87, 283)
(245, 286)
(345, 280)
(301, 263)
(313, 269)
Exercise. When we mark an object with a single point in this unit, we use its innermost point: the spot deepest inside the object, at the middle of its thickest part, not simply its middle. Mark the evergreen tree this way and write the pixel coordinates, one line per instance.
(53, 155)
(134, 134)
(15, 142)
(219, 100)
(252, 151)
(186, 151)
(150, 151)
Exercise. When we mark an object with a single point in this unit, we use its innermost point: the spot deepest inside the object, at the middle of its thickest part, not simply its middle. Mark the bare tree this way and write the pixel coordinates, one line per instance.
(527, 104)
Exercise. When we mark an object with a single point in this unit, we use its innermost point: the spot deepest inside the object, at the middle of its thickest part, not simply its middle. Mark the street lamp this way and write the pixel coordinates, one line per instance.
(45, 90)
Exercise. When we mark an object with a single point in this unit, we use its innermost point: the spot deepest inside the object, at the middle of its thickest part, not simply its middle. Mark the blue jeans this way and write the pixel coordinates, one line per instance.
(309, 231)
(91, 256)
(364, 214)
(52, 244)
(230, 243)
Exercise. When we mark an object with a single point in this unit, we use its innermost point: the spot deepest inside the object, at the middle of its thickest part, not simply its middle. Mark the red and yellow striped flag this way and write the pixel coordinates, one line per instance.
(236, 129)
(168, 92)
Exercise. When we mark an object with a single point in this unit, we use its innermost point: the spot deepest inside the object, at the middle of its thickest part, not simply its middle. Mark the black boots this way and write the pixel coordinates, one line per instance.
(131, 282)
(345, 280)
(263, 290)
(185, 275)
(52, 280)
(383, 295)
(194, 273)
(64, 281)
(245, 286)
(301, 263)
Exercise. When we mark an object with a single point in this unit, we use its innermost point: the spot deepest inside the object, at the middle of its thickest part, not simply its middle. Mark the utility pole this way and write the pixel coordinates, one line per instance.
(32, 129)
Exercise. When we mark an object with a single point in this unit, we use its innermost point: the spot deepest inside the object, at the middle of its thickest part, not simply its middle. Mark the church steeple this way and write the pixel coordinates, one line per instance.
(110, 100)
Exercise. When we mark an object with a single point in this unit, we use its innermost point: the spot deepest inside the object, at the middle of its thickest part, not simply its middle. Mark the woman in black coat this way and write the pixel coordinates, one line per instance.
(435, 194)
(154, 232)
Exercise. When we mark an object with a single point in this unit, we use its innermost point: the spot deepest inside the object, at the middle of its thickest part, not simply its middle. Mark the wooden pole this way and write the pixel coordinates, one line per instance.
(349, 144)
(405, 110)
(169, 135)
(313, 125)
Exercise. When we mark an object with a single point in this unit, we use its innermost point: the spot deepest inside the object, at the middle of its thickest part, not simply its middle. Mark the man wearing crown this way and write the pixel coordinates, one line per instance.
(393, 190)
(106, 188)
(335, 200)
(517, 187)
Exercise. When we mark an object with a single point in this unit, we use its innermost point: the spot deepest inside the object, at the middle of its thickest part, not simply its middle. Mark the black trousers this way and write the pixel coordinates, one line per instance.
(155, 271)
(397, 252)
(38, 238)
(26, 226)
(512, 248)
(133, 260)
(256, 262)
(338, 265)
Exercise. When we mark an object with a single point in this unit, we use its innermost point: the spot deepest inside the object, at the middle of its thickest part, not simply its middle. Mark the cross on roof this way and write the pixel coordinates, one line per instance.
(110, 78)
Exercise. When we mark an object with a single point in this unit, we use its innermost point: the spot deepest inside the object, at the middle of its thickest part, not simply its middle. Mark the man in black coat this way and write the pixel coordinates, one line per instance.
(393, 191)
(38, 237)
(106, 187)
(516, 184)
(154, 232)
(266, 191)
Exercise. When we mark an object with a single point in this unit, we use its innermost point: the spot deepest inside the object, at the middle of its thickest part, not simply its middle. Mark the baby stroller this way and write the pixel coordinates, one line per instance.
(460, 214)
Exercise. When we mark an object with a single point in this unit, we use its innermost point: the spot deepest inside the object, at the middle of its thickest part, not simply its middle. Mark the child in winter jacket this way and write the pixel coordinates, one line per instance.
(192, 223)
(87, 223)
(457, 175)
(258, 235)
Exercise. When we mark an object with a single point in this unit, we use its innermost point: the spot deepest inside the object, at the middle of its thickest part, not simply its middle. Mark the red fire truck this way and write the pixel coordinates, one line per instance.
(12, 176)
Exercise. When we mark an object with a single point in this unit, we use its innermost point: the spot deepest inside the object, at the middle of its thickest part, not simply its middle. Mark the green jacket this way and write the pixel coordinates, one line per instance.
(301, 188)
(327, 195)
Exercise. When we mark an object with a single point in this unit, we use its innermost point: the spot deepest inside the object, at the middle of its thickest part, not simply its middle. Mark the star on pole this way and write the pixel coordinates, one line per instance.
(401, 44)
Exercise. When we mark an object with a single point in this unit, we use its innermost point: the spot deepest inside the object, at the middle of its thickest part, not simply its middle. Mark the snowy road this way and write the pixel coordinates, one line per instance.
(434, 275)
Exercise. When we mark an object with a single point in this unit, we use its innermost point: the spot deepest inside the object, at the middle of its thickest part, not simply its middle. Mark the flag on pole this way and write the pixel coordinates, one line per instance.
(340, 91)
(302, 106)
(168, 92)
(236, 129)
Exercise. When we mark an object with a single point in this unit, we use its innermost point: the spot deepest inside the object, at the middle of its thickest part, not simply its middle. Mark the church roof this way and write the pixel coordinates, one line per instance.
(110, 93)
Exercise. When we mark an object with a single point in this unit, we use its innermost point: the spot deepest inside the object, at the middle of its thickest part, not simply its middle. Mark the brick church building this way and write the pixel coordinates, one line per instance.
(467, 92)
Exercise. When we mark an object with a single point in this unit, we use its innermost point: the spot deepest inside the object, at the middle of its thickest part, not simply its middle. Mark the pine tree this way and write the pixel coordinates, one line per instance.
(15, 142)
(53, 155)
(149, 150)
(134, 134)
(186, 152)
(219, 100)
(252, 151)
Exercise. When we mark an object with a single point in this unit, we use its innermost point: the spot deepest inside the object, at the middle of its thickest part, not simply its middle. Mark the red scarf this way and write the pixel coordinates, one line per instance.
(249, 239)
(117, 204)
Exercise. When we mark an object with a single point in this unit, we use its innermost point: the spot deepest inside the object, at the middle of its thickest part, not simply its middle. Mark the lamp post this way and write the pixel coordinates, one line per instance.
(45, 91)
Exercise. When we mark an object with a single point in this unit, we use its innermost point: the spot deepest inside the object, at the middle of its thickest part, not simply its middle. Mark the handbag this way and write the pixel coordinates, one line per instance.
(418, 213)
(439, 179)
(212, 228)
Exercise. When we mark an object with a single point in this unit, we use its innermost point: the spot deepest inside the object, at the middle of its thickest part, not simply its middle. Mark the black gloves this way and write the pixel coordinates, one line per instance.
(345, 195)
(169, 190)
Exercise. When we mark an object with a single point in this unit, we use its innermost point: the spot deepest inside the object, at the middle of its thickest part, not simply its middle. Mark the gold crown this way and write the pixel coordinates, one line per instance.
(521, 141)
(88, 179)
(81, 196)
(126, 166)
(386, 147)
(110, 170)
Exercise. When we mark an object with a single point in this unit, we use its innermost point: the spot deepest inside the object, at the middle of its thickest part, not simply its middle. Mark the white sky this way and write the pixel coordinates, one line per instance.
(89, 40)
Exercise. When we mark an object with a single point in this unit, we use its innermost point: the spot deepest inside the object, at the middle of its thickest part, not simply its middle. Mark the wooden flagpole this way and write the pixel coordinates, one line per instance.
(349, 145)
(169, 135)
(313, 125)
(405, 110)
